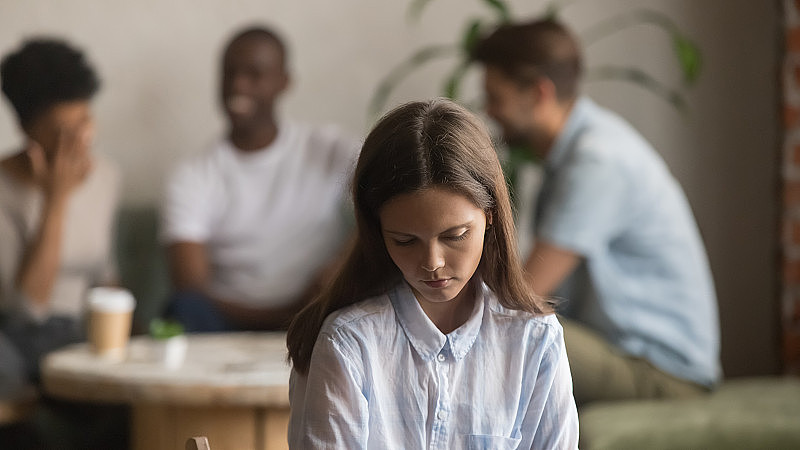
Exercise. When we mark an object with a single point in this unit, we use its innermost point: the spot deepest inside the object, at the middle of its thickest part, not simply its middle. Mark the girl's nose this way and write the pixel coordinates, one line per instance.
(433, 260)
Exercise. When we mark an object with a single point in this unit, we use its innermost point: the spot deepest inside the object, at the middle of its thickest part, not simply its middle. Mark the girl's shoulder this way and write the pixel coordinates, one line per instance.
(374, 312)
(542, 333)
(548, 323)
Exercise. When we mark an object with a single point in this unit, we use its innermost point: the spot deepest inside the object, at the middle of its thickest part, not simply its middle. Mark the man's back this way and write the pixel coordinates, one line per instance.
(609, 197)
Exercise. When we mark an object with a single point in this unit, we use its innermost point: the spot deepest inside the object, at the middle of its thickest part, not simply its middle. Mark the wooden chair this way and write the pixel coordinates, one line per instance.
(197, 443)
(18, 407)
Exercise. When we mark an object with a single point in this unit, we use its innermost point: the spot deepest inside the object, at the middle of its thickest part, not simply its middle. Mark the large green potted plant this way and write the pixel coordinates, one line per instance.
(687, 55)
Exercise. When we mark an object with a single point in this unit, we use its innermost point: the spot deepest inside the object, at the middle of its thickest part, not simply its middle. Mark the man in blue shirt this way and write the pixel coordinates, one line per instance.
(615, 236)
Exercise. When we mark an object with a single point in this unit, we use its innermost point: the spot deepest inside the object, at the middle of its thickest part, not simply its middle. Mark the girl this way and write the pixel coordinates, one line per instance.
(428, 336)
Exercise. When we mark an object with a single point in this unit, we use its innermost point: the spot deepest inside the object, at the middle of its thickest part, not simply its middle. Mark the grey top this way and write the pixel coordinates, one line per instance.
(86, 254)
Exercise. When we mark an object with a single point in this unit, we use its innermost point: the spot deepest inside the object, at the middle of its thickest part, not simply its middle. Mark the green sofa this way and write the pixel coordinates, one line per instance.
(747, 413)
(142, 263)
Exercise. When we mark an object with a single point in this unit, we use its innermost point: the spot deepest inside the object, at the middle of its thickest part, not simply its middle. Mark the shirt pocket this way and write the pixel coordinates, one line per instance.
(487, 442)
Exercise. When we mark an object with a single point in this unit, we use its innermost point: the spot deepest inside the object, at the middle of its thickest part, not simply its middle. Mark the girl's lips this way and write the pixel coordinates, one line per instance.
(437, 284)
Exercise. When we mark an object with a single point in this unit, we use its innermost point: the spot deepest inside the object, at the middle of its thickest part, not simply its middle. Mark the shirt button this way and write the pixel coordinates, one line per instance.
(441, 415)
(440, 357)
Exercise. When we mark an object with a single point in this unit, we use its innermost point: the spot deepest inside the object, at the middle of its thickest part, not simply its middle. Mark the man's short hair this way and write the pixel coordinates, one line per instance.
(44, 72)
(528, 51)
(262, 32)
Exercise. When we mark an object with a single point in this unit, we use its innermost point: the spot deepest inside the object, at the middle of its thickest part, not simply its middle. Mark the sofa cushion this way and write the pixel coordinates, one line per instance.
(142, 262)
(746, 413)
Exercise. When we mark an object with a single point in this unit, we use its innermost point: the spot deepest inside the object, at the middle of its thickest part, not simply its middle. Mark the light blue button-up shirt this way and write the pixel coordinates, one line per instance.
(382, 376)
(645, 283)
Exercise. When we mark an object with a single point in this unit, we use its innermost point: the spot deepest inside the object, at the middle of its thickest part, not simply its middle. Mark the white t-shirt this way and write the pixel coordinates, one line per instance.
(270, 219)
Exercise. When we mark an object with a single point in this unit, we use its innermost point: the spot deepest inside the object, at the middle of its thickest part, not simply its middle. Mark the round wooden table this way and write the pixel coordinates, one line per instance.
(232, 388)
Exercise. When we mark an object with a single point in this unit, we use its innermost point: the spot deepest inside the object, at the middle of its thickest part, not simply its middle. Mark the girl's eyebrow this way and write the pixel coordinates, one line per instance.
(449, 230)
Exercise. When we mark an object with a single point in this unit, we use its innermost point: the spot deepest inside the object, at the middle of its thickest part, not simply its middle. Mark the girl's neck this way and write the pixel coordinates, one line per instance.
(448, 316)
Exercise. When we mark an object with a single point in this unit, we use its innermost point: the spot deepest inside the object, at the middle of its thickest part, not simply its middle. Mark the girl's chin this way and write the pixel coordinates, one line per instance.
(438, 295)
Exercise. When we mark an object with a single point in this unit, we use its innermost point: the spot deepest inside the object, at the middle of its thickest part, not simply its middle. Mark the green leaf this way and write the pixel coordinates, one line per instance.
(165, 329)
(689, 58)
(452, 84)
(415, 9)
(688, 55)
(402, 70)
(640, 78)
(627, 19)
(501, 8)
(511, 162)
(471, 35)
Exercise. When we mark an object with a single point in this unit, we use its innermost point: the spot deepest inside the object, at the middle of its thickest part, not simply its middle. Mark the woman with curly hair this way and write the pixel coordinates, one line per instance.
(57, 200)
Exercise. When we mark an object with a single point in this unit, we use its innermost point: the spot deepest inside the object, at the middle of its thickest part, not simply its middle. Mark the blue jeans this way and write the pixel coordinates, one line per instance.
(12, 368)
(34, 340)
(197, 313)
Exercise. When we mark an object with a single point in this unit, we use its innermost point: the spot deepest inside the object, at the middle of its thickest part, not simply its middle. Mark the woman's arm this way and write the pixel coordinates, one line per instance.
(69, 166)
(329, 407)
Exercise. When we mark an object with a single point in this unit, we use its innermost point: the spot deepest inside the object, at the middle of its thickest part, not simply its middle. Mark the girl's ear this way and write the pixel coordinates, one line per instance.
(489, 218)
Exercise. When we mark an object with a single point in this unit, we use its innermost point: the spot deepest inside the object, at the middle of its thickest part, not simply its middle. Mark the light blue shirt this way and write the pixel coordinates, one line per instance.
(382, 376)
(645, 283)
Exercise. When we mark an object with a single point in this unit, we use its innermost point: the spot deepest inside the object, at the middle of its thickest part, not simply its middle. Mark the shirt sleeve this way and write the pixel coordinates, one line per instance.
(553, 401)
(344, 151)
(187, 208)
(13, 302)
(584, 205)
(328, 406)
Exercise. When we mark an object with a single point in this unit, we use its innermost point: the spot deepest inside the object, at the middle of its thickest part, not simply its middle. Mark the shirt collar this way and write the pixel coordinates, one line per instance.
(425, 338)
(565, 140)
(263, 155)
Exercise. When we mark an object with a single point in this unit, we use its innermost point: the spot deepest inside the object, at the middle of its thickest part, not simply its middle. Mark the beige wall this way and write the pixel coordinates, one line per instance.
(158, 60)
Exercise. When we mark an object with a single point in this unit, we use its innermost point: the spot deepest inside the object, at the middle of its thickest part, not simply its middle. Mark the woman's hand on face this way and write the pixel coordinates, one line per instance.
(68, 165)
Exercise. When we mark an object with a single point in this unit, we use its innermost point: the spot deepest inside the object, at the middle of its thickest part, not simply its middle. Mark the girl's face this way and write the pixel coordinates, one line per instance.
(435, 237)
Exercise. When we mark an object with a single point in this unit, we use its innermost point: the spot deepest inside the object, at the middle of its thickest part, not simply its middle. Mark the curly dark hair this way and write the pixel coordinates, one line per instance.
(44, 72)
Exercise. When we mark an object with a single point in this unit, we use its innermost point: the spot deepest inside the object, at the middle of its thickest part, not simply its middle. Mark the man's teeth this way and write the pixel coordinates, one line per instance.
(240, 104)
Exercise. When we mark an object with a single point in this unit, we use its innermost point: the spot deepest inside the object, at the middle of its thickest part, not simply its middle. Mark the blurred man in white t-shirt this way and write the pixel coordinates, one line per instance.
(252, 224)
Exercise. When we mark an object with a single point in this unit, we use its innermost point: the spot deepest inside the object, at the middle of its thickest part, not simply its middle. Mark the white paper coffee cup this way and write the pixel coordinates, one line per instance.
(110, 317)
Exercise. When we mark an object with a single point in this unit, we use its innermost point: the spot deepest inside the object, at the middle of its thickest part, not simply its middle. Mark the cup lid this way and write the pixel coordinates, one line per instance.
(111, 299)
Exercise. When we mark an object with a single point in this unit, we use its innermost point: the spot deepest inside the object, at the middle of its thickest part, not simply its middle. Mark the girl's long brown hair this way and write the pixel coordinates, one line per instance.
(416, 146)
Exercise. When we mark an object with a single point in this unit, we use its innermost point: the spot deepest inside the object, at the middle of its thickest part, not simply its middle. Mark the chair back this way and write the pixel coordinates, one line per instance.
(19, 406)
(197, 443)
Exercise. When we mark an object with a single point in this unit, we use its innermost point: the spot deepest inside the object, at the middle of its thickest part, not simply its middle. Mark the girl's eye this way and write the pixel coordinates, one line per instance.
(403, 242)
(459, 237)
